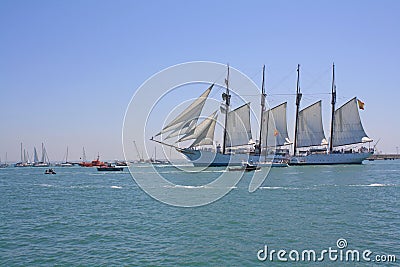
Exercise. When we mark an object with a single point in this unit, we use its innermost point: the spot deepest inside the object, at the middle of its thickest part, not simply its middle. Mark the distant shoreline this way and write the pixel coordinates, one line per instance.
(384, 157)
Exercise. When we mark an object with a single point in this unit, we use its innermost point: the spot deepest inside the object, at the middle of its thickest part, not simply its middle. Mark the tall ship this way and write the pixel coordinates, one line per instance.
(310, 144)
(237, 146)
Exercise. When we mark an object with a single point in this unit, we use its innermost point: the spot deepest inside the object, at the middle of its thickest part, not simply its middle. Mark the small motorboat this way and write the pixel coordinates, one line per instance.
(49, 171)
(246, 167)
(109, 168)
(274, 163)
(121, 163)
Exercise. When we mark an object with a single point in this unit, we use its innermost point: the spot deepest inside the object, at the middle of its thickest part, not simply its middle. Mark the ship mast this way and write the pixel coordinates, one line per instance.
(43, 153)
(227, 97)
(298, 98)
(333, 107)
(263, 95)
(21, 153)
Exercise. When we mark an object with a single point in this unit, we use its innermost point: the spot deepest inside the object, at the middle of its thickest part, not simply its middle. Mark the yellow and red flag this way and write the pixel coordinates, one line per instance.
(276, 132)
(360, 104)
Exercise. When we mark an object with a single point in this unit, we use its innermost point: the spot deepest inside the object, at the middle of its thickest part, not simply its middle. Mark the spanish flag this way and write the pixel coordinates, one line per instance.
(360, 104)
(276, 132)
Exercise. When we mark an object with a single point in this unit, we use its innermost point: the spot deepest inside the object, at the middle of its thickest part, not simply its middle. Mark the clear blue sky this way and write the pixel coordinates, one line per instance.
(69, 68)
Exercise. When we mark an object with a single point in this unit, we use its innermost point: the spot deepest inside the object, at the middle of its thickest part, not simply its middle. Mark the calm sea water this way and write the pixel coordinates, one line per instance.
(83, 217)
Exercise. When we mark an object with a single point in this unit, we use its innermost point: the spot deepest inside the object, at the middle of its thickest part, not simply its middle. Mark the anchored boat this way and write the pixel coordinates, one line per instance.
(44, 162)
(25, 161)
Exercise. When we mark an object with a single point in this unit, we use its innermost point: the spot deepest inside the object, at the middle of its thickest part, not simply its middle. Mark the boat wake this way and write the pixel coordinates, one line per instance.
(78, 186)
(374, 185)
(326, 185)
(180, 172)
(116, 187)
(282, 187)
(45, 185)
(193, 186)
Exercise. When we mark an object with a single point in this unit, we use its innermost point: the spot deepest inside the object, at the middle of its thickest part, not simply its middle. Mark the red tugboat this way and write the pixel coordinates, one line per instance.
(94, 163)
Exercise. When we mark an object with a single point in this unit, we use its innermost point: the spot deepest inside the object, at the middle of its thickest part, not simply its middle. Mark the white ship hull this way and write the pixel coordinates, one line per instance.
(330, 159)
(204, 158)
(41, 164)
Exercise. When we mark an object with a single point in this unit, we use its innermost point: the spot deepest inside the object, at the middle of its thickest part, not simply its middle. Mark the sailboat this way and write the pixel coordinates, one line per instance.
(310, 144)
(44, 162)
(25, 161)
(237, 147)
(4, 164)
(158, 161)
(140, 157)
(66, 163)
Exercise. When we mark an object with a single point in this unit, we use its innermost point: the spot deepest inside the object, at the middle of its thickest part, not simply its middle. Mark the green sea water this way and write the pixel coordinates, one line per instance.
(88, 218)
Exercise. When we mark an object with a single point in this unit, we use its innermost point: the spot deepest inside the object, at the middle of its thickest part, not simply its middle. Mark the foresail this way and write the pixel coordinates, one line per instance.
(184, 129)
(189, 115)
(238, 126)
(199, 129)
(274, 131)
(205, 134)
(347, 126)
(310, 129)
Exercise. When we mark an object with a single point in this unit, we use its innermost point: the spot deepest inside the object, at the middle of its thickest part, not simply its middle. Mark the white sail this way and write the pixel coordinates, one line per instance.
(190, 114)
(27, 157)
(45, 157)
(43, 153)
(35, 155)
(310, 131)
(207, 138)
(183, 129)
(199, 129)
(274, 131)
(347, 126)
(204, 132)
(238, 126)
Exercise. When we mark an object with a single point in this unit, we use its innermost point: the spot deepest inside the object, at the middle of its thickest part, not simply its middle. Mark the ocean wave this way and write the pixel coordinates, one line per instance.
(281, 187)
(80, 186)
(184, 186)
(194, 186)
(373, 185)
(313, 187)
(45, 185)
